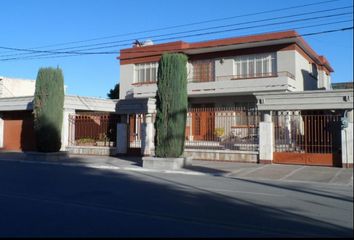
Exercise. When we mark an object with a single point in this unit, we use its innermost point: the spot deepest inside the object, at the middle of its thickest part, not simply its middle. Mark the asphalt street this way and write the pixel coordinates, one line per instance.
(40, 200)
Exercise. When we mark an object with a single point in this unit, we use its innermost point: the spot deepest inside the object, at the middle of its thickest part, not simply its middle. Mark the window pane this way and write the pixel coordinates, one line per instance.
(153, 75)
(141, 75)
(251, 68)
(238, 68)
(244, 68)
(266, 66)
(147, 75)
(136, 79)
(259, 66)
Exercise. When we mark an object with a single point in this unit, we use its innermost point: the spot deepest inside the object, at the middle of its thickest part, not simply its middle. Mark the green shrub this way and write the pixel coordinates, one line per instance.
(171, 103)
(48, 109)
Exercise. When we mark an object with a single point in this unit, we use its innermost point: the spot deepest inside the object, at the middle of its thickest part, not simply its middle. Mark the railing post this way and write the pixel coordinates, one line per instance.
(347, 141)
(266, 138)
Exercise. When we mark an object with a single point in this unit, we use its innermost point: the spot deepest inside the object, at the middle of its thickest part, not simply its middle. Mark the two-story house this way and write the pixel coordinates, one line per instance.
(227, 73)
(232, 67)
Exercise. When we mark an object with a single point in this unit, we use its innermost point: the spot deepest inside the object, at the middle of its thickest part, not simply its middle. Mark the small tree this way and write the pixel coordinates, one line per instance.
(171, 103)
(114, 93)
(48, 109)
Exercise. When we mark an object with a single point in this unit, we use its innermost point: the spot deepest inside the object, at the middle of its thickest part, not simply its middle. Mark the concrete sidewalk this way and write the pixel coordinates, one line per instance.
(278, 172)
(295, 173)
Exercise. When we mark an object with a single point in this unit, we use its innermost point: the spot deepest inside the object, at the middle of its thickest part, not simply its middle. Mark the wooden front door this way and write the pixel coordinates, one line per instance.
(203, 122)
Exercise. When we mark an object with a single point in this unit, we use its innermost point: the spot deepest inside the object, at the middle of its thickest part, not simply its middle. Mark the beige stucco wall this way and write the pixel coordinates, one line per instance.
(303, 74)
(16, 87)
(126, 79)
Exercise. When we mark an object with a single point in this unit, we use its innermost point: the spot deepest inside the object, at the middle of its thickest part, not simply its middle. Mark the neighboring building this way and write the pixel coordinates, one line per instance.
(14, 87)
(343, 85)
(16, 118)
(227, 72)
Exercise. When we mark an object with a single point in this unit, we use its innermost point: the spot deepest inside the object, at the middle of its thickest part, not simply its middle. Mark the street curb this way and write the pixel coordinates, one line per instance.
(137, 169)
(96, 166)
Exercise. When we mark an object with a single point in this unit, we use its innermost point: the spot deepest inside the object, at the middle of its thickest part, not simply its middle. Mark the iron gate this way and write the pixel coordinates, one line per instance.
(309, 139)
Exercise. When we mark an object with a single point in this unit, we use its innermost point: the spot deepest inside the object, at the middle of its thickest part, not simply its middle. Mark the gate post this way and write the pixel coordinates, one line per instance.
(65, 131)
(147, 136)
(266, 138)
(122, 136)
(347, 141)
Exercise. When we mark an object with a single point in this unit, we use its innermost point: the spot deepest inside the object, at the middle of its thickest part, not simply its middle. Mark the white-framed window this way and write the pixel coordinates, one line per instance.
(255, 65)
(146, 72)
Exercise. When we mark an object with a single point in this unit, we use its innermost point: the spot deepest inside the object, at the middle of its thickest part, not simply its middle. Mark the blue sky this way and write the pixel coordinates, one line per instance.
(36, 23)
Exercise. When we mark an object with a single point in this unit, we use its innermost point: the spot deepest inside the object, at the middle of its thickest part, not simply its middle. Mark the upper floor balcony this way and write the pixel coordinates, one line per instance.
(225, 85)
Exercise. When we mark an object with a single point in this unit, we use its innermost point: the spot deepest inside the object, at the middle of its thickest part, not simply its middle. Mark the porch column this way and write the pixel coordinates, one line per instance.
(266, 138)
(122, 136)
(347, 141)
(147, 138)
(65, 129)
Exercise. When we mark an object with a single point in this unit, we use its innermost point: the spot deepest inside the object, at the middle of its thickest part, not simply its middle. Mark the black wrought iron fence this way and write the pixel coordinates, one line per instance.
(93, 130)
(222, 129)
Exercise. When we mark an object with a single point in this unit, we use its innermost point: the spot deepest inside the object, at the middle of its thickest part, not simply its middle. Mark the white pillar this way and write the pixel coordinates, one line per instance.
(65, 129)
(122, 138)
(147, 138)
(266, 139)
(1, 131)
(347, 141)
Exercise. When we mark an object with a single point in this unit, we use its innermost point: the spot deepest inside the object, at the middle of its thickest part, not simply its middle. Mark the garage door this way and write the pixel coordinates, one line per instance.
(18, 131)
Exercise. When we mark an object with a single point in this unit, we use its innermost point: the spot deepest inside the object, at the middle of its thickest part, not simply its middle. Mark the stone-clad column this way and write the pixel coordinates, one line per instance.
(266, 138)
(347, 141)
(1, 131)
(65, 129)
(147, 138)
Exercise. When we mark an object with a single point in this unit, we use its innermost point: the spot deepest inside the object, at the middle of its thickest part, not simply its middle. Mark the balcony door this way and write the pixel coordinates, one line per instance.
(203, 70)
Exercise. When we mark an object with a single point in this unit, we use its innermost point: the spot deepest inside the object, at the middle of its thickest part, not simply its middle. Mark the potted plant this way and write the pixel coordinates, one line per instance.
(219, 133)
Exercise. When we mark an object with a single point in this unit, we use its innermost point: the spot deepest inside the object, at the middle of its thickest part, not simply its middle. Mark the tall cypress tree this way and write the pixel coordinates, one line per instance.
(171, 103)
(48, 109)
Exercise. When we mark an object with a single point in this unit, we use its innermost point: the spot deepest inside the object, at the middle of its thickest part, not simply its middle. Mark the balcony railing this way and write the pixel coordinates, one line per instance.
(228, 78)
(245, 76)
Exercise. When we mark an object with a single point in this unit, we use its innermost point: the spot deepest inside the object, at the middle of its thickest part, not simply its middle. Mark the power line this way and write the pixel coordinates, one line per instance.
(195, 23)
(43, 56)
(236, 29)
(55, 51)
(221, 45)
(193, 35)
